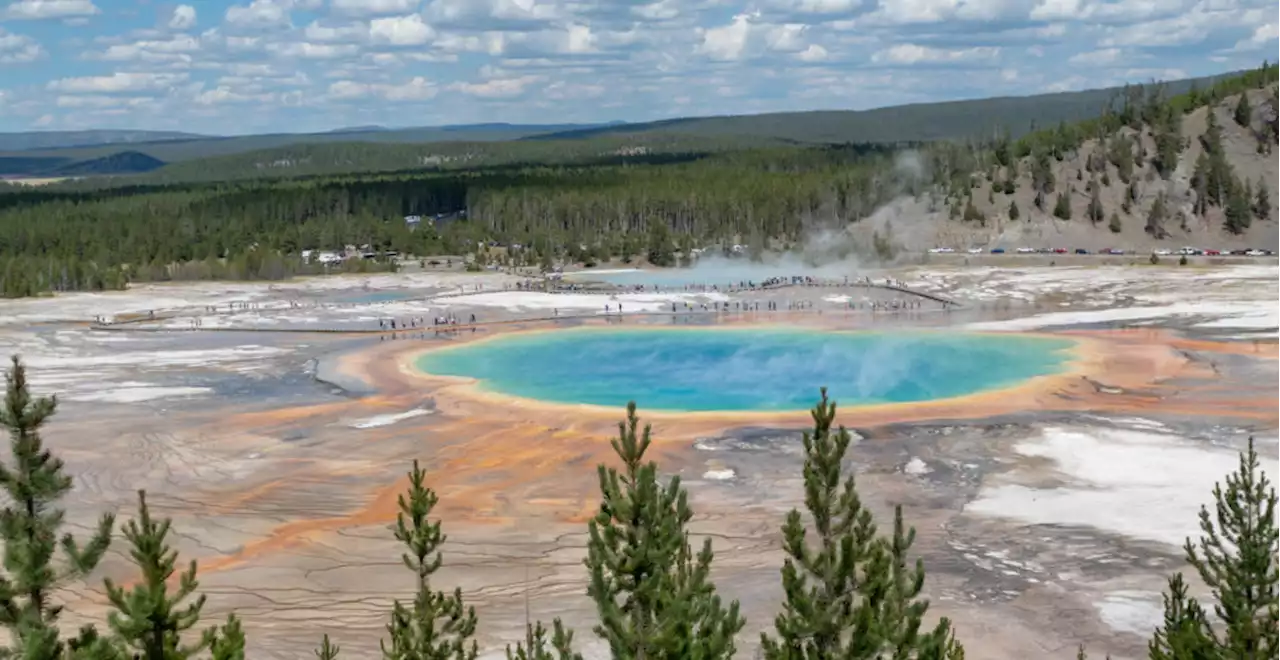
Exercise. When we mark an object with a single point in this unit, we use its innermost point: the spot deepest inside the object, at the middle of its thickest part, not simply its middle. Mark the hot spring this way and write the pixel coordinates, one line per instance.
(745, 369)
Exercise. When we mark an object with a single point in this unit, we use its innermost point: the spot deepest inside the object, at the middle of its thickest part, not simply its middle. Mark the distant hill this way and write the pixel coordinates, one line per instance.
(178, 148)
(64, 139)
(124, 162)
(922, 122)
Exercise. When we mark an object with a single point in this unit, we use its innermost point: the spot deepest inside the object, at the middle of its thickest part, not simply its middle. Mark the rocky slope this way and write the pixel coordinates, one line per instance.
(1119, 224)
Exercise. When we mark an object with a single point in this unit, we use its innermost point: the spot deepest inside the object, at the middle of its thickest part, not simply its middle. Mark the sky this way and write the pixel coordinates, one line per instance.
(252, 66)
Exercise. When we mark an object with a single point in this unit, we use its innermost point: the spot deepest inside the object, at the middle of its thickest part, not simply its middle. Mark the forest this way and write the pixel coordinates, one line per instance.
(94, 237)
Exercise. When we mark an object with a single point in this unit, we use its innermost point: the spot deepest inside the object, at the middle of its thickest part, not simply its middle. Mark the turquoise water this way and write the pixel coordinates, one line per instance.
(746, 369)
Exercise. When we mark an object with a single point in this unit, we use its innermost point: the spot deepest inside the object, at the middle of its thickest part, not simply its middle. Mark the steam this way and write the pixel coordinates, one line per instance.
(831, 251)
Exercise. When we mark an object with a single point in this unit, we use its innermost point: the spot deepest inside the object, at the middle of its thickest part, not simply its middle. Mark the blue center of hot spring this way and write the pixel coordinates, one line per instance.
(728, 369)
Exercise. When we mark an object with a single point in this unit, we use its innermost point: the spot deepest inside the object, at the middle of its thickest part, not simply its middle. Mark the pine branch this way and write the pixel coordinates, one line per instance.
(328, 650)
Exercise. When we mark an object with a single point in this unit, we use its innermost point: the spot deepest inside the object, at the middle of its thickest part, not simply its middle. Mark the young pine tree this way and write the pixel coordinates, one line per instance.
(228, 642)
(1236, 557)
(437, 626)
(849, 594)
(536, 646)
(654, 597)
(328, 650)
(1185, 633)
(29, 526)
(148, 619)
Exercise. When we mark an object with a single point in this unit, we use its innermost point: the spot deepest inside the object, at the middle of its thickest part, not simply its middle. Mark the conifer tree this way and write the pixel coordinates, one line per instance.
(849, 593)
(1114, 223)
(536, 646)
(654, 597)
(437, 626)
(1184, 634)
(1239, 211)
(1236, 556)
(1095, 211)
(228, 643)
(1262, 201)
(1062, 207)
(1013, 211)
(148, 619)
(1243, 113)
(29, 526)
(328, 650)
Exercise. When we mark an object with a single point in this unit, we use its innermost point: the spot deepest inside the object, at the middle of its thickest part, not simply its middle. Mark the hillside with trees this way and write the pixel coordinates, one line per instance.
(1196, 166)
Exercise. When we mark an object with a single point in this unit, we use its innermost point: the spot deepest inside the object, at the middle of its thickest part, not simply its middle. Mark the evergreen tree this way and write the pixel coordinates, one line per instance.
(1262, 201)
(536, 646)
(438, 626)
(1114, 224)
(654, 597)
(1095, 212)
(1239, 211)
(1062, 207)
(1243, 114)
(228, 643)
(849, 594)
(1236, 556)
(328, 650)
(1185, 633)
(147, 618)
(29, 526)
(1013, 211)
(1156, 218)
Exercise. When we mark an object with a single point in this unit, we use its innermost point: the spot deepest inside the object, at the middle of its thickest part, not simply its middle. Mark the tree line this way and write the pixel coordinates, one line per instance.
(91, 240)
(851, 590)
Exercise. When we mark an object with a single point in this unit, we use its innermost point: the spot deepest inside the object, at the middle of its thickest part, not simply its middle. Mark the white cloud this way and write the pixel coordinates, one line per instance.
(373, 7)
(916, 54)
(37, 9)
(477, 12)
(317, 31)
(416, 89)
(18, 48)
(183, 18)
(103, 101)
(259, 14)
(117, 82)
(497, 88)
(1262, 36)
(817, 6)
(746, 37)
(401, 31)
(1101, 57)
(814, 53)
(309, 51)
(176, 49)
(224, 94)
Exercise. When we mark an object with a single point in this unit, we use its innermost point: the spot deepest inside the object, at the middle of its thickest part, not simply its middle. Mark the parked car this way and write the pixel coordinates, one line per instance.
(1163, 252)
(975, 250)
(1256, 253)
(1026, 250)
(1213, 253)
(997, 250)
(1059, 250)
(1115, 251)
(1081, 251)
(942, 250)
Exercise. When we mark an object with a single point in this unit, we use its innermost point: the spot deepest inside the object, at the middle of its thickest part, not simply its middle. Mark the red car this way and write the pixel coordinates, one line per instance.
(1213, 253)
(1059, 250)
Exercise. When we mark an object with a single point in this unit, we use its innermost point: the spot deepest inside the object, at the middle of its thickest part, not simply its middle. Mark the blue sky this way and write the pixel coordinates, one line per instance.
(246, 66)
